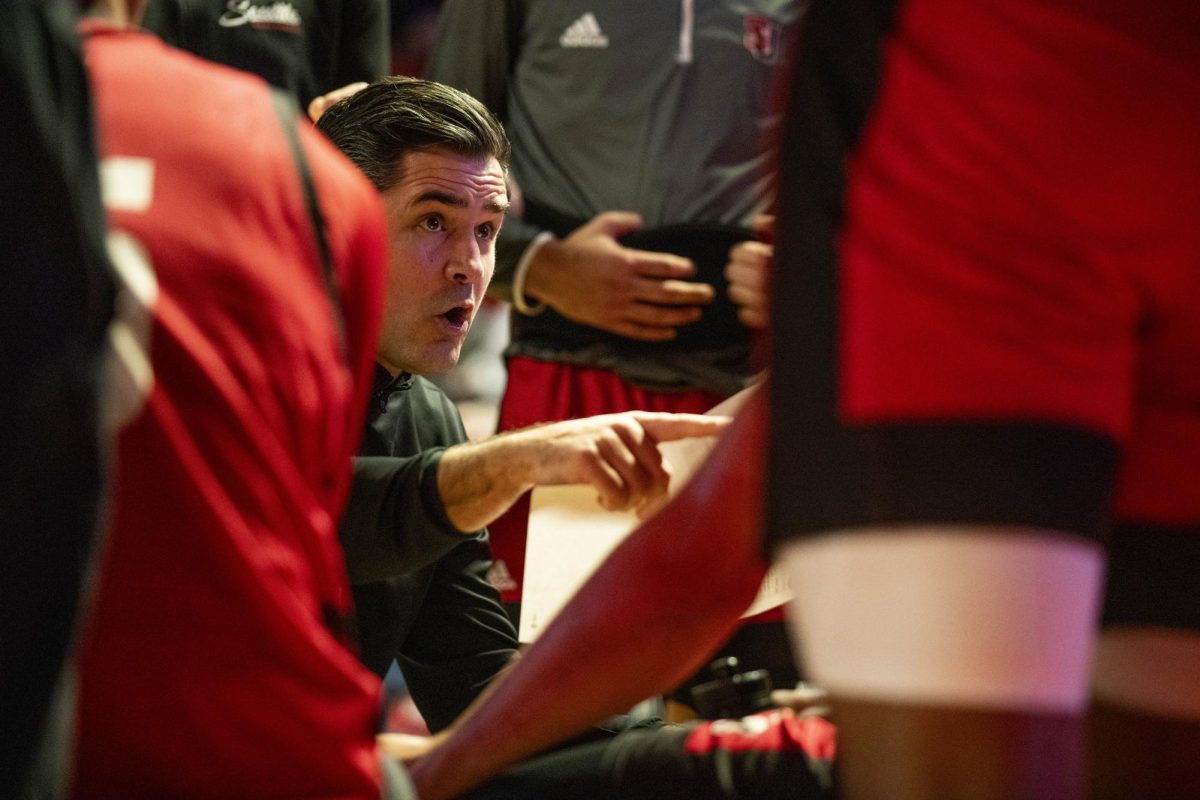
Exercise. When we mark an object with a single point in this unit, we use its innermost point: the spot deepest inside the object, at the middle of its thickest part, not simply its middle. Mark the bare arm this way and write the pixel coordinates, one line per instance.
(645, 620)
(980, 636)
(928, 634)
(616, 453)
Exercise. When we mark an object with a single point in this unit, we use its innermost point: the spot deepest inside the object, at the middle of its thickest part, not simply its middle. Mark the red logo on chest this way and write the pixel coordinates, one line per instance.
(761, 37)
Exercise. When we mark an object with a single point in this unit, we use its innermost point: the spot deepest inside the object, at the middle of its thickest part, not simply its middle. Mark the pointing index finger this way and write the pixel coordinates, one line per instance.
(669, 427)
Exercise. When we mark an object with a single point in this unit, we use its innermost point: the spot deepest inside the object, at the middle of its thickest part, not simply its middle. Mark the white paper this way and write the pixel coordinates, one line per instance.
(570, 534)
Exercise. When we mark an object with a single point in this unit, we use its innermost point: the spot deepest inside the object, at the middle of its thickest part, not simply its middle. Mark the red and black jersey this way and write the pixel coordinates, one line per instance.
(988, 264)
(215, 663)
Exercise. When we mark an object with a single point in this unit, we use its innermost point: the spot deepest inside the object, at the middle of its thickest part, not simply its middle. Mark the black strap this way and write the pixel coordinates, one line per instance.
(288, 112)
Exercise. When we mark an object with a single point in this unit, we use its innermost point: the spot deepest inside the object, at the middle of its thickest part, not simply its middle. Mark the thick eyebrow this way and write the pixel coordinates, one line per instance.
(453, 200)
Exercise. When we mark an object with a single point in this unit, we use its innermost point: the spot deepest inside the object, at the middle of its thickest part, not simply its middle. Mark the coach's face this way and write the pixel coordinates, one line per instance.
(442, 216)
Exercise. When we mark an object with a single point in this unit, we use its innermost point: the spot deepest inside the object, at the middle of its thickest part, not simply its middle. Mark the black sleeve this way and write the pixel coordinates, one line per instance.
(395, 522)
(364, 49)
(53, 320)
(461, 637)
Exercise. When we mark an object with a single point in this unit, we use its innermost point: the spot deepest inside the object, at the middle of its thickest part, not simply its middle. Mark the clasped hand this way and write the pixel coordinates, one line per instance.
(591, 278)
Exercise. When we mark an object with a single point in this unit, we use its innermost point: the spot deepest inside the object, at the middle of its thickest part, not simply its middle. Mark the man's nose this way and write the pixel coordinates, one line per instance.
(466, 261)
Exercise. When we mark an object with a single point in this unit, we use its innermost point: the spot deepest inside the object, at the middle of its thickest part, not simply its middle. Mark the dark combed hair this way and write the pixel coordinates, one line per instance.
(377, 126)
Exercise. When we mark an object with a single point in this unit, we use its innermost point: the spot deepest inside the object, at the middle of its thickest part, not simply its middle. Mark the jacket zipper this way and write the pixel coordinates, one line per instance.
(686, 24)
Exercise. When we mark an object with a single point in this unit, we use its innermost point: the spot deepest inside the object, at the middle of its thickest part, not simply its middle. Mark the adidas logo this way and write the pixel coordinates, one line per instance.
(584, 32)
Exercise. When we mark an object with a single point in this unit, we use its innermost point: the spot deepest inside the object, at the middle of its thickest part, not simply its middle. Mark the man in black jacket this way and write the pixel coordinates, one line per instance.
(422, 495)
(413, 532)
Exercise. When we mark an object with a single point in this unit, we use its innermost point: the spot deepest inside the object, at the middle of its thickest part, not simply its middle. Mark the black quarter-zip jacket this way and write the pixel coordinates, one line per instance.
(420, 590)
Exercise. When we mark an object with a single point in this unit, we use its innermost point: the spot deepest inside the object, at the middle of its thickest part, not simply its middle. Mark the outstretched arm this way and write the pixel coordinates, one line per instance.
(616, 453)
(405, 513)
(649, 616)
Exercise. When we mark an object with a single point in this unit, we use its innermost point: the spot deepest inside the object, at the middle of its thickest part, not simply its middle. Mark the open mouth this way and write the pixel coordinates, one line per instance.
(457, 316)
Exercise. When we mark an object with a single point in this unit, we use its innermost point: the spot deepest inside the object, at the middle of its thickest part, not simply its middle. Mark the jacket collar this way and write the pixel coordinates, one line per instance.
(385, 386)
